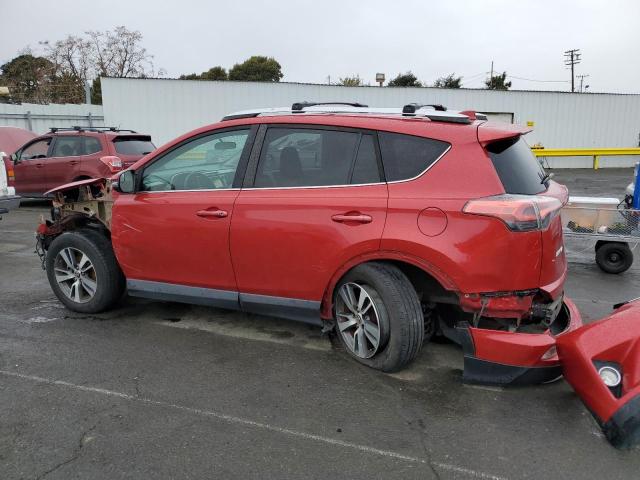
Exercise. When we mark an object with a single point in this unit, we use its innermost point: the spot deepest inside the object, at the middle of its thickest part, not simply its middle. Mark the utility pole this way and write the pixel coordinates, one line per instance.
(491, 77)
(572, 58)
(582, 77)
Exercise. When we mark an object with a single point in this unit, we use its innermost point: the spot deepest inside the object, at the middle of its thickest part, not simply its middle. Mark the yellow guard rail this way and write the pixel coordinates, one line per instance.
(596, 153)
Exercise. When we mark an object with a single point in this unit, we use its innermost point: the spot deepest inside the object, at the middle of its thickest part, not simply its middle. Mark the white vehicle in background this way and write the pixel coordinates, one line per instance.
(8, 198)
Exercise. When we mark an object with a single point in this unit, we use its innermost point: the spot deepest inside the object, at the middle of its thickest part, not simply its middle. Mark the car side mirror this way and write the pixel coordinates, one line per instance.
(127, 182)
(15, 159)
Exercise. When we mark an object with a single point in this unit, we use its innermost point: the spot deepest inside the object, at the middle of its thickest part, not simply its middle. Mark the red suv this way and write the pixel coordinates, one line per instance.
(387, 226)
(68, 154)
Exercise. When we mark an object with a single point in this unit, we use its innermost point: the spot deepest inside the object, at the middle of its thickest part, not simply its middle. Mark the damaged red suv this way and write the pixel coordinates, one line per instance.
(388, 226)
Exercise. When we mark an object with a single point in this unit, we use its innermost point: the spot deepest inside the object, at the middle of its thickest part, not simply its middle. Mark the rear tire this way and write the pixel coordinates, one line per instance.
(389, 305)
(614, 257)
(83, 271)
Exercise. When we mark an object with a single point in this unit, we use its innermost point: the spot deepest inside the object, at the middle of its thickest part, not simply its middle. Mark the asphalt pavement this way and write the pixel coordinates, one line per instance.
(163, 390)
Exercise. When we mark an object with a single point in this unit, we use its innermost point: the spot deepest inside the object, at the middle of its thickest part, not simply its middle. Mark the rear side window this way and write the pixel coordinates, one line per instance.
(303, 157)
(133, 145)
(91, 145)
(406, 156)
(518, 169)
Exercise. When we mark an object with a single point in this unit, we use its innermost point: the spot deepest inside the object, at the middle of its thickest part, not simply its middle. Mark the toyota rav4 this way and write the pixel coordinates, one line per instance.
(386, 226)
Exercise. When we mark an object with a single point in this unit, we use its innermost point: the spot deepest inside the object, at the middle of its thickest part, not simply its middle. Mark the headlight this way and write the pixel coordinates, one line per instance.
(610, 376)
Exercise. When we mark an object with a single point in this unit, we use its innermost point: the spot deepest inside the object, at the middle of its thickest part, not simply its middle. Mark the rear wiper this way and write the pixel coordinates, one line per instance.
(545, 177)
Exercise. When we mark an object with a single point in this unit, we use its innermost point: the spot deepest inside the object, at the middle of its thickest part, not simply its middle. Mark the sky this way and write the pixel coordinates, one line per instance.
(315, 40)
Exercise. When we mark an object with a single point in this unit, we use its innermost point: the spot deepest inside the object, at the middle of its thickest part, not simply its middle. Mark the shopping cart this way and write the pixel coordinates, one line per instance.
(605, 226)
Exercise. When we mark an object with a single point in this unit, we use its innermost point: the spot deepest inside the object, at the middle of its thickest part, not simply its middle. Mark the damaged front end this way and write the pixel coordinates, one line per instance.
(82, 204)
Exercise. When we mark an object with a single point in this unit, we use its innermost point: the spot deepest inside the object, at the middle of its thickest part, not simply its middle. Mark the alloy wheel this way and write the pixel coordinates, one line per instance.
(75, 275)
(358, 320)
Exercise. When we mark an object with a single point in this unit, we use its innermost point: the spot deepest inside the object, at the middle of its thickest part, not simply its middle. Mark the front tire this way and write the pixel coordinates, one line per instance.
(83, 271)
(379, 319)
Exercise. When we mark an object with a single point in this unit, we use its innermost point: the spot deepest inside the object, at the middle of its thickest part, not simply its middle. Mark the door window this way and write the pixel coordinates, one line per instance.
(206, 163)
(36, 150)
(302, 157)
(67, 146)
(407, 156)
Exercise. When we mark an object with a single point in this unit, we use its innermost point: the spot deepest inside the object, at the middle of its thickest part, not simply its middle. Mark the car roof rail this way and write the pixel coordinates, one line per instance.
(414, 107)
(300, 106)
(436, 113)
(79, 128)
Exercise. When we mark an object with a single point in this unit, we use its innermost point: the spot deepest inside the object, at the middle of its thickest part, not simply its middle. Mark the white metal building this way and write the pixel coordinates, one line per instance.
(168, 108)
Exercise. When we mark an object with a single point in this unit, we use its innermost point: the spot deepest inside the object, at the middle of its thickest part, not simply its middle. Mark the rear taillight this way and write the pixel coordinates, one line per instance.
(114, 163)
(521, 213)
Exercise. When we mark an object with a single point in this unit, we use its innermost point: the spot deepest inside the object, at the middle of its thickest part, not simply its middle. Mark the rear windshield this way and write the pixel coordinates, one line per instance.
(133, 145)
(518, 169)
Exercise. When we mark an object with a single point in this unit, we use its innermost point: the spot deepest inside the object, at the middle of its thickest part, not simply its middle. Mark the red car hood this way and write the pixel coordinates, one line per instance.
(79, 183)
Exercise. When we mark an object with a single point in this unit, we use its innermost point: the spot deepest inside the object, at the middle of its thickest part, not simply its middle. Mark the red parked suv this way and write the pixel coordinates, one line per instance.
(387, 226)
(68, 154)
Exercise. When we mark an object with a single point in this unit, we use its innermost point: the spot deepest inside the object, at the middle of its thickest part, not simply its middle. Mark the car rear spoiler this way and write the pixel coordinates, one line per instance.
(489, 132)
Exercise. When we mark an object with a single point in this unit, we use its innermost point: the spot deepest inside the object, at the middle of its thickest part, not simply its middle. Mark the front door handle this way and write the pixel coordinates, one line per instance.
(39, 165)
(212, 213)
(355, 217)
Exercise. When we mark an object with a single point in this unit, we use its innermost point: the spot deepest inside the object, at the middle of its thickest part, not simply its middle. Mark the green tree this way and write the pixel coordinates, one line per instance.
(498, 82)
(449, 81)
(354, 81)
(214, 73)
(257, 69)
(405, 80)
(29, 78)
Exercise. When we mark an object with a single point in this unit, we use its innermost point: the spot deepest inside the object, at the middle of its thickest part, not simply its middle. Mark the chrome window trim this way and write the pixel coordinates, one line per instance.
(359, 184)
(183, 191)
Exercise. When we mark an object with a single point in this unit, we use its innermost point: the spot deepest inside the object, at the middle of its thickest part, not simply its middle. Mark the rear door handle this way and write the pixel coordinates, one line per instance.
(212, 213)
(73, 162)
(357, 217)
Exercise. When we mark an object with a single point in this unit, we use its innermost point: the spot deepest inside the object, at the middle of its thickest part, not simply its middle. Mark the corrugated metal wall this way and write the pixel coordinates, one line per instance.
(39, 118)
(168, 108)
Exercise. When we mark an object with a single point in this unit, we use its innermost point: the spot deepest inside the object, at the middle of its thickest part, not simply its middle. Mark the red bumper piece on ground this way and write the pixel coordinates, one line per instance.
(612, 343)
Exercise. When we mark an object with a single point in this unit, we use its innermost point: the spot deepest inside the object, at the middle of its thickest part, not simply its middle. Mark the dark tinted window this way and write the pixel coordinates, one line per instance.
(301, 157)
(518, 169)
(133, 145)
(91, 145)
(366, 169)
(67, 146)
(406, 156)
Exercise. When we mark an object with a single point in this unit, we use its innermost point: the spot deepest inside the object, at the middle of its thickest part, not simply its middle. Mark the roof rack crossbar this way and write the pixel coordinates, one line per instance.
(79, 128)
(299, 106)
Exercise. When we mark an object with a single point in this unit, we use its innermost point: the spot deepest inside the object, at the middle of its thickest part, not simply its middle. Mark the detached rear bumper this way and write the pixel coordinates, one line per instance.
(495, 357)
(613, 342)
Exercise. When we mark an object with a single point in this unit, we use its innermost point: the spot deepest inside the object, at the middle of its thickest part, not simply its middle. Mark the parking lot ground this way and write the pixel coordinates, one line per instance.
(164, 390)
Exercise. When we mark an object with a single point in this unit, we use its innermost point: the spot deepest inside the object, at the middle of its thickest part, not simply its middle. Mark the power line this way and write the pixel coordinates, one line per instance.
(572, 58)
